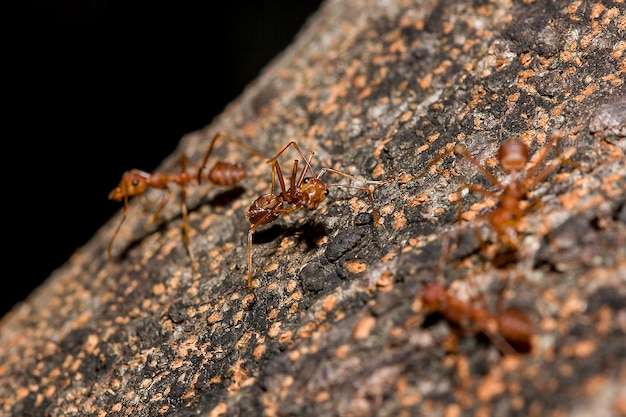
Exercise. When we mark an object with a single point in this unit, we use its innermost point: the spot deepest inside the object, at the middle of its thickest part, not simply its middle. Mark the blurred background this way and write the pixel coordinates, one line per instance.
(97, 87)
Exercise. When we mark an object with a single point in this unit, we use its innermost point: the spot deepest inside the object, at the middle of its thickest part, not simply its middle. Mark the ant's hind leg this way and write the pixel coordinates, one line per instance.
(185, 214)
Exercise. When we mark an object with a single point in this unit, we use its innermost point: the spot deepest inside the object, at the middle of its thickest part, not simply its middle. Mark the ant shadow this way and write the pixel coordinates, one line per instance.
(305, 233)
(224, 198)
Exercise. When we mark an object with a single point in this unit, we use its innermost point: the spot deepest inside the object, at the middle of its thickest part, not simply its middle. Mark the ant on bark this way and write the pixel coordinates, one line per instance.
(513, 198)
(303, 192)
(509, 330)
(136, 182)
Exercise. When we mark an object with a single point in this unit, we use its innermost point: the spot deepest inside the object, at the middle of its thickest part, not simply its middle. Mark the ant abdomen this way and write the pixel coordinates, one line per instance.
(515, 326)
(226, 173)
(265, 209)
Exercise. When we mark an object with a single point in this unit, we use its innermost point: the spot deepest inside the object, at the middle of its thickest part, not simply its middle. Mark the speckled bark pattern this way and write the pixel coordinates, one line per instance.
(335, 326)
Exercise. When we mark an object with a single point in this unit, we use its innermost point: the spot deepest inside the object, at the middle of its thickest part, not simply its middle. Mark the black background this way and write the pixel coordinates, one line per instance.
(95, 88)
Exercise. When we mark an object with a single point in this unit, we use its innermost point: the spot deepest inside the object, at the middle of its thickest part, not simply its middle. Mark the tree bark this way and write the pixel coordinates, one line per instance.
(335, 325)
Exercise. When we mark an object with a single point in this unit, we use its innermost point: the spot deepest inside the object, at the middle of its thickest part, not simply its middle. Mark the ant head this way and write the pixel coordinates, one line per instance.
(133, 182)
(513, 155)
(433, 294)
(314, 191)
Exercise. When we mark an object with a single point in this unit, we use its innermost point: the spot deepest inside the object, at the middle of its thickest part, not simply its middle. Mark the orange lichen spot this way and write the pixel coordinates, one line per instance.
(364, 328)
(586, 92)
(526, 73)
(420, 199)
(398, 46)
(469, 216)
(258, 352)
(274, 330)
(214, 317)
(330, 302)
(285, 337)
(389, 256)
(178, 362)
(490, 386)
(322, 396)
(442, 67)
(557, 110)
(145, 383)
(379, 171)
(543, 120)
(21, 393)
(158, 289)
(433, 137)
(355, 267)
(365, 93)
(596, 10)
(360, 81)
(342, 351)
(219, 410)
(584, 348)
(243, 341)
(273, 314)
(422, 148)
(406, 116)
(613, 79)
(425, 81)
(573, 305)
(307, 330)
(618, 50)
(566, 56)
(447, 27)
(573, 7)
(295, 297)
(399, 220)
(513, 97)
(385, 282)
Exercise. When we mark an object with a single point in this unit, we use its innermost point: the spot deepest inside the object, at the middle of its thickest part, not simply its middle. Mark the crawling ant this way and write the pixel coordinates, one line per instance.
(513, 198)
(509, 330)
(136, 182)
(305, 191)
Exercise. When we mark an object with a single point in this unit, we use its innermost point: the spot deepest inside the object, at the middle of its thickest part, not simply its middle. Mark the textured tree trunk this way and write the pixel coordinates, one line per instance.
(336, 325)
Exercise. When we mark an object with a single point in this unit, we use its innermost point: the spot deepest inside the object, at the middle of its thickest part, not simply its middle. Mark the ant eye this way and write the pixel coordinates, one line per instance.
(306, 180)
(326, 191)
(135, 182)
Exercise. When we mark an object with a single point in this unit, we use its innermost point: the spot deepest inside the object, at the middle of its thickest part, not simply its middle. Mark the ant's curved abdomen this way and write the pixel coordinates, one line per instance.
(265, 209)
(226, 173)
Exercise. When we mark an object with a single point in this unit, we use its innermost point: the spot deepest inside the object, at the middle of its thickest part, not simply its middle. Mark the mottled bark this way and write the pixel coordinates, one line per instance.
(336, 326)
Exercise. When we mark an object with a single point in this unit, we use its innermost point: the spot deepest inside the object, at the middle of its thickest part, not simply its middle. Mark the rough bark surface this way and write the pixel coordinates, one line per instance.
(336, 326)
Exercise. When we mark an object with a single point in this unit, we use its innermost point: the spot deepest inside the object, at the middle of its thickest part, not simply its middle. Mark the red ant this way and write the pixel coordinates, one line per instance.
(505, 329)
(303, 192)
(513, 155)
(135, 182)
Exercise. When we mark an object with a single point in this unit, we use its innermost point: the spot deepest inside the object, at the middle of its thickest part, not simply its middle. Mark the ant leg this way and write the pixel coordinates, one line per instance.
(543, 153)
(117, 229)
(370, 193)
(438, 158)
(465, 154)
(250, 233)
(474, 189)
(370, 196)
(212, 146)
(185, 214)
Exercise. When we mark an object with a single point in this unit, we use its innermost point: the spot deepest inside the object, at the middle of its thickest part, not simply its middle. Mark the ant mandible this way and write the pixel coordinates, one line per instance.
(136, 182)
(303, 192)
